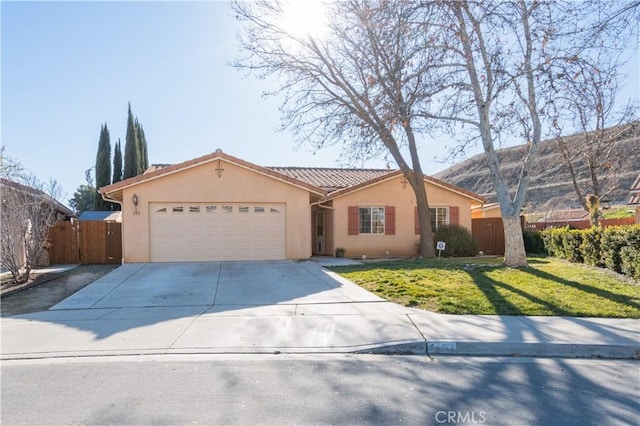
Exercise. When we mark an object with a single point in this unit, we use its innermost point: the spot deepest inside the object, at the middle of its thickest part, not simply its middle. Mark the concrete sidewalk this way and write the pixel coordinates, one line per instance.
(371, 327)
(331, 315)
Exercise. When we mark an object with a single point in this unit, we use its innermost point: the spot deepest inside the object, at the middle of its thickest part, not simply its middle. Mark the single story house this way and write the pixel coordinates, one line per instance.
(219, 207)
(634, 199)
(17, 199)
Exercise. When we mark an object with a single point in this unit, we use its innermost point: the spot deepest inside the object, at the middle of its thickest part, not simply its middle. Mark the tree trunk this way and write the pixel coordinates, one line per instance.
(416, 180)
(515, 255)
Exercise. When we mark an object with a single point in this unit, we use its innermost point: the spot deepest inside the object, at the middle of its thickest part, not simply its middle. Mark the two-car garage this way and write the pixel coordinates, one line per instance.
(214, 208)
(182, 232)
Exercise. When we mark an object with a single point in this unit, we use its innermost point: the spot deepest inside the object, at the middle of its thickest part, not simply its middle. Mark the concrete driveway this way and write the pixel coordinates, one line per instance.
(213, 307)
(274, 307)
(216, 284)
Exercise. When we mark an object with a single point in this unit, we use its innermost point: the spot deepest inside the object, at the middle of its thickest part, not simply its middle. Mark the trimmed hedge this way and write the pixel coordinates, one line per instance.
(459, 241)
(616, 248)
(533, 243)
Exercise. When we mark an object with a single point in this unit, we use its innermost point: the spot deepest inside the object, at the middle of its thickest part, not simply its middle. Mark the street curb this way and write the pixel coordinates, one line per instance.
(541, 350)
(525, 350)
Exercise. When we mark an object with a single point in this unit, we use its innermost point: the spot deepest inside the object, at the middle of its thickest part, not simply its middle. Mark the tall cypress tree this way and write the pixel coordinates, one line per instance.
(142, 147)
(103, 166)
(131, 157)
(117, 163)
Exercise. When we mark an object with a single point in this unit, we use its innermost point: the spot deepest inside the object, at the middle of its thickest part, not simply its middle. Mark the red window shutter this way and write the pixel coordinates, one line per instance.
(354, 228)
(390, 220)
(454, 215)
(416, 220)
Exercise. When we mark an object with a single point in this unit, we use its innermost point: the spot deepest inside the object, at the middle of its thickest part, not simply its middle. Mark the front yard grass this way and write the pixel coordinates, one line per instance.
(484, 286)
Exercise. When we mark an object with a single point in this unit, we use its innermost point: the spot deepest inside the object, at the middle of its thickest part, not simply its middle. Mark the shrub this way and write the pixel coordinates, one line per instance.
(533, 242)
(590, 247)
(612, 241)
(630, 261)
(616, 248)
(459, 241)
(571, 241)
(552, 238)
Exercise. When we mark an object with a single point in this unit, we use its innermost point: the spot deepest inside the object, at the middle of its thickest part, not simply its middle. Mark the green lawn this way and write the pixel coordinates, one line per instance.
(483, 286)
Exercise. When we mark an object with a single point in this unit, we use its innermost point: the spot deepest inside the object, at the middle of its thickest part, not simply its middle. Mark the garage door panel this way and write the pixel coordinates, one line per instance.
(217, 231)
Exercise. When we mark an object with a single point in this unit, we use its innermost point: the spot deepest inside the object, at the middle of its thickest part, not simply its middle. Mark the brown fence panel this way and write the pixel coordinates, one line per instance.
(489, 235)
(64, 245)
(114, 242)
(93, 242)
(100, 242)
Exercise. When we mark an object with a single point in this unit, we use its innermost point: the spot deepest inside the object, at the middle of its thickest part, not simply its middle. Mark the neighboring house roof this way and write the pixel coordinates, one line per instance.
(565, 215)
(487, 206)
(37, 192)
(107, 216)
(635, 192)
(332, 182)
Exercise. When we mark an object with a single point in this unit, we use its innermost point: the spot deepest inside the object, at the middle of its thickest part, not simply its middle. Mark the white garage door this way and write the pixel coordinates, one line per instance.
(189, 232)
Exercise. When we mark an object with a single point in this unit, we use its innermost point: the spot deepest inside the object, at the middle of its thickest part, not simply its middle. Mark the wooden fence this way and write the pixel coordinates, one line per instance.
(64, 241)
(93, 242)
(489, 235)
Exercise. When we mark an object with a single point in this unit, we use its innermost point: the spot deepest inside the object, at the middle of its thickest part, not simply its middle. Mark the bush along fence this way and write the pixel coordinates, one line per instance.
(616, 248)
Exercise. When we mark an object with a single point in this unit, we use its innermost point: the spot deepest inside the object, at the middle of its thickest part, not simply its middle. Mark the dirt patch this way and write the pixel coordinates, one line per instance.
(49, 289)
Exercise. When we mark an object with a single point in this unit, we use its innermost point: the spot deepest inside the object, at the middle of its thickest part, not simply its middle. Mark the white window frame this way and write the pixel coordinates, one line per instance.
(434, 214)
(380, 230)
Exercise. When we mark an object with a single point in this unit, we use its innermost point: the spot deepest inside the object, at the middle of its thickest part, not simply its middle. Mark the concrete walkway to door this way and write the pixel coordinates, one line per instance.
(282, 306)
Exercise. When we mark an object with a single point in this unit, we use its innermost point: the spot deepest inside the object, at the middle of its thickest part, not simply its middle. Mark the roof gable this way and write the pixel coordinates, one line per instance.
(396, 173)
(330, 182)
(162, 170)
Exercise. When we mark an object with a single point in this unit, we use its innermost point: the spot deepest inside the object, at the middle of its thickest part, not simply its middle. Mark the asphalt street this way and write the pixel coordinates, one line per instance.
(320, 389)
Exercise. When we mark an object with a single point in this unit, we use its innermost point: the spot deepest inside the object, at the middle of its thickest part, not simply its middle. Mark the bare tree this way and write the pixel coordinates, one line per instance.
(507, 62)
(596, 152)
(28, 213)
(361, 84)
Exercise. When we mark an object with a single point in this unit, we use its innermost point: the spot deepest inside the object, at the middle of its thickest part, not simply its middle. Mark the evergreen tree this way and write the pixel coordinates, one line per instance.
(103, 167)
(131, 157)
(144, 154)
(117, 163)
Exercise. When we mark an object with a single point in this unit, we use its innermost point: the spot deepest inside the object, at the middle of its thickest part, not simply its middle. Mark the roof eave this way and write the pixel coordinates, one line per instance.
(114, 189)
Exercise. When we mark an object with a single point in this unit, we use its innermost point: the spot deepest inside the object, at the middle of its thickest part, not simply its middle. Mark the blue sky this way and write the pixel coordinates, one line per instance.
(68, 67)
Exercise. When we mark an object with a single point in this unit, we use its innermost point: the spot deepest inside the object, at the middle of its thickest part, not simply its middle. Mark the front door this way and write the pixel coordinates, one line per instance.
(319, 240)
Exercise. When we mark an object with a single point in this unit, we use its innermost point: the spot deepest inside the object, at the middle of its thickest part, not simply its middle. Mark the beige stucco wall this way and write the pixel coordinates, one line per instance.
(201, 184)
(390, 193)
(486, 212)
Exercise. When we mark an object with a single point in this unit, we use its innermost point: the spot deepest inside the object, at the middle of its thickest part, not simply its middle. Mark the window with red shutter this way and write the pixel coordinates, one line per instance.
(390, 220)
(454, 215)
(353, 225)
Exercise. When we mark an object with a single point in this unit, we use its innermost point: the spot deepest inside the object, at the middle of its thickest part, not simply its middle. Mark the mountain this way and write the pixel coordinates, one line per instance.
(550, 187)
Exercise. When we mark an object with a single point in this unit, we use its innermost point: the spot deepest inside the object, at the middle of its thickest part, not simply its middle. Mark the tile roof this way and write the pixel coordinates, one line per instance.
(11, 185)
(337, 181)
(332, 179)
(158, 170)
(566, 215)
(635, 192)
